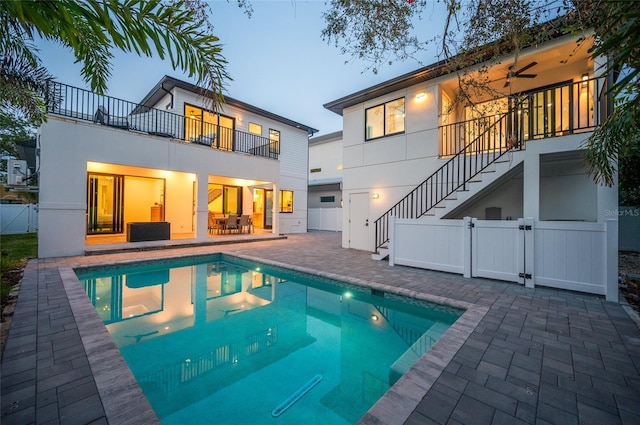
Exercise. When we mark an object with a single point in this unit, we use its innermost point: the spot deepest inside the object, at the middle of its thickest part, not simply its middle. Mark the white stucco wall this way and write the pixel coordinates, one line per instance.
(390, 166)
(66, 147)
(328, 158)
(293, 156)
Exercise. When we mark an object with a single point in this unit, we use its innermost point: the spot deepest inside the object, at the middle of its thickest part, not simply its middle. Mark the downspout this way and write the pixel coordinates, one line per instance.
(170, 105)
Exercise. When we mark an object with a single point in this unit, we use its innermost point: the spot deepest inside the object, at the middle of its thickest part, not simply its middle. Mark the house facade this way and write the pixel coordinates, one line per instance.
(411, 153)
(106, 163)
(325, 171)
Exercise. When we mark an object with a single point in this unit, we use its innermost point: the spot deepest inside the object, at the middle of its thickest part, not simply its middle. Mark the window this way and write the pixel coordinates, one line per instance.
(327, 199)
(286, 201)
(274, 140)
(255, 128)
(384, 120)
(208, 128)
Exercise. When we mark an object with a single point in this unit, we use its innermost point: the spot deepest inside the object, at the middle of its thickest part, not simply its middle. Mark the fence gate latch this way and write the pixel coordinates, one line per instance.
(524, 275)
(525, 227)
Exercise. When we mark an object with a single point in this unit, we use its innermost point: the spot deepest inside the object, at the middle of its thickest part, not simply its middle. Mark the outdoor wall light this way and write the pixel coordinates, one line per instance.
(375, 195)
(421, 97)
(374, 317)
(585, 77)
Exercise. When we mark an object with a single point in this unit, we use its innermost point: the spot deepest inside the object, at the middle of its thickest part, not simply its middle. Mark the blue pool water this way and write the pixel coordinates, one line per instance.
(227, 341)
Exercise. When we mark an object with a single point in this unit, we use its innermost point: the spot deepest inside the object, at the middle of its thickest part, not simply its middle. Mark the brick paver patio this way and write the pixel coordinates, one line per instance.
(520, 356)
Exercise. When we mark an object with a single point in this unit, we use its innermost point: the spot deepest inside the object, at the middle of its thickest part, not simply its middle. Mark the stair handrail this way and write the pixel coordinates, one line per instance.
(382, 223)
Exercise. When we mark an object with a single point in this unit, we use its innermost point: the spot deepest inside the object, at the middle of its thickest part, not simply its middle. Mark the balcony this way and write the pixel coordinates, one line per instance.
(77, 103)
(559, 110)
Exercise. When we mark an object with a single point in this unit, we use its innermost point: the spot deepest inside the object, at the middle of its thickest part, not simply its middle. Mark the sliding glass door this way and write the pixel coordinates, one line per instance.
(105, 204)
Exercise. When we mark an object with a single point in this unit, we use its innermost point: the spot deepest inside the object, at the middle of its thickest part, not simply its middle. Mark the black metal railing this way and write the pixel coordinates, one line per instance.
(554, 111)
(489, 145)
(74, 102)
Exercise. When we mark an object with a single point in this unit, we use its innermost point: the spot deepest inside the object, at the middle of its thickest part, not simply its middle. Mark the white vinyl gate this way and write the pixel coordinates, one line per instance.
(577, 256)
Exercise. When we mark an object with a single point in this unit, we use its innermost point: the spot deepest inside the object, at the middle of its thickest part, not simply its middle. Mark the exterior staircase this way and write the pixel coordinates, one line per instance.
(484, 160)
(498, 170)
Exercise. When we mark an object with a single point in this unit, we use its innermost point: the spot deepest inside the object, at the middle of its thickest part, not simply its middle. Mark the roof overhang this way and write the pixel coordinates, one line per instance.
(433, 71)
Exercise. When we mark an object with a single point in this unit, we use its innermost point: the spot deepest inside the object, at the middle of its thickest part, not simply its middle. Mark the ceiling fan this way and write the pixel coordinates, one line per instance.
(519, 73)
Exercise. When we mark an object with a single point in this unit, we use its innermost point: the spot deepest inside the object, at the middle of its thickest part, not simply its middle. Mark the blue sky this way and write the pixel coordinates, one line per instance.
(277, 59)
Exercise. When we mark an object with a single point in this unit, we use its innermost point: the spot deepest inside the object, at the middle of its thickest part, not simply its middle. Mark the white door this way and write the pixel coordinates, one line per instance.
(359, 228)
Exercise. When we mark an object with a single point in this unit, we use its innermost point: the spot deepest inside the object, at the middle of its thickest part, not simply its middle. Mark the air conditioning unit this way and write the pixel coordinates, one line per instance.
(17, 172)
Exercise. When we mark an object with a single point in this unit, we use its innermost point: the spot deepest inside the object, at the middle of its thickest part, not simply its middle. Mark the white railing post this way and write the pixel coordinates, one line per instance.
(529, 252)
(392, 239)
(469, 251)
(611, 260)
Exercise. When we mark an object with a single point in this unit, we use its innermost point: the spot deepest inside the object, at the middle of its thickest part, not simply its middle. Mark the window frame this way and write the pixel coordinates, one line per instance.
(281, 200)
(274, 140)
(199, 127)
(257, 126)
(384, 119)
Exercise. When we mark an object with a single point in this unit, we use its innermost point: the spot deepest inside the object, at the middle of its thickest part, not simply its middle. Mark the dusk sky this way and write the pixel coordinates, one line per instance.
(277, 59)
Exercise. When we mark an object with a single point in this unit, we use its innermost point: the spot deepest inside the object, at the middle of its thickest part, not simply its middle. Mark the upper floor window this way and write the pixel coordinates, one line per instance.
(255, 128)
(274, 140)
(384, 120)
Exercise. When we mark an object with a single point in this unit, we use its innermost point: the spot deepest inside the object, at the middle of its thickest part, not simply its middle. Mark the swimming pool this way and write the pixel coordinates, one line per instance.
(225, 339)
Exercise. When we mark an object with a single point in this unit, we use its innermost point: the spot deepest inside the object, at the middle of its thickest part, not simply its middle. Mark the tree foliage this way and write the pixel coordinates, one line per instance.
(175, 30)
(13, 128)
(481, 31)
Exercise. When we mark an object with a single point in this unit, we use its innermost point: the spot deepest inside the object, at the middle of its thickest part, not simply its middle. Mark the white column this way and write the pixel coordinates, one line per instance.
(607, 200)
(275, 222)
(202, 206)
(531, 186)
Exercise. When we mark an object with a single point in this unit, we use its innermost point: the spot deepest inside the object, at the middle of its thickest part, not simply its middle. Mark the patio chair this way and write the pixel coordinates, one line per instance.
(232, 223)
(245, 221)
(102, 116)
(213, 223)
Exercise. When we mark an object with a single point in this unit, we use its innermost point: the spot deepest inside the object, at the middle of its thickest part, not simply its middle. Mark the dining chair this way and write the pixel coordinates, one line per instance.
(244, 222)
(232, 222)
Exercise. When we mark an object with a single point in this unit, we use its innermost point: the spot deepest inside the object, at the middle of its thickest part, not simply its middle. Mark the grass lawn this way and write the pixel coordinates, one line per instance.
(15, 250)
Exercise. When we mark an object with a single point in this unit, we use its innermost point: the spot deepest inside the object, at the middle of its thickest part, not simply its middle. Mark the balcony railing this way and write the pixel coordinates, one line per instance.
(548, 112)
(74, 102)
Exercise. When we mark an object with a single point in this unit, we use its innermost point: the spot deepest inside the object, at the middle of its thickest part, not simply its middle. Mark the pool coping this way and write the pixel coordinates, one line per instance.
(125, 403)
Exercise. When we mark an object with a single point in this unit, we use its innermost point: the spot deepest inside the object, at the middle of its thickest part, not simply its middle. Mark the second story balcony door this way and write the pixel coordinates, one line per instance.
(544, 113)
(209, 128)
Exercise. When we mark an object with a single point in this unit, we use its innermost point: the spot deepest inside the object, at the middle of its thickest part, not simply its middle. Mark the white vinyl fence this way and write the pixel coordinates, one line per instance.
(18, 218)
(568, 255)
(325, 219)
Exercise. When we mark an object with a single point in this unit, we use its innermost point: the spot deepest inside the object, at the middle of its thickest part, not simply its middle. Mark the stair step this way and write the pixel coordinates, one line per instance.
(381, 254)
(452, 197)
